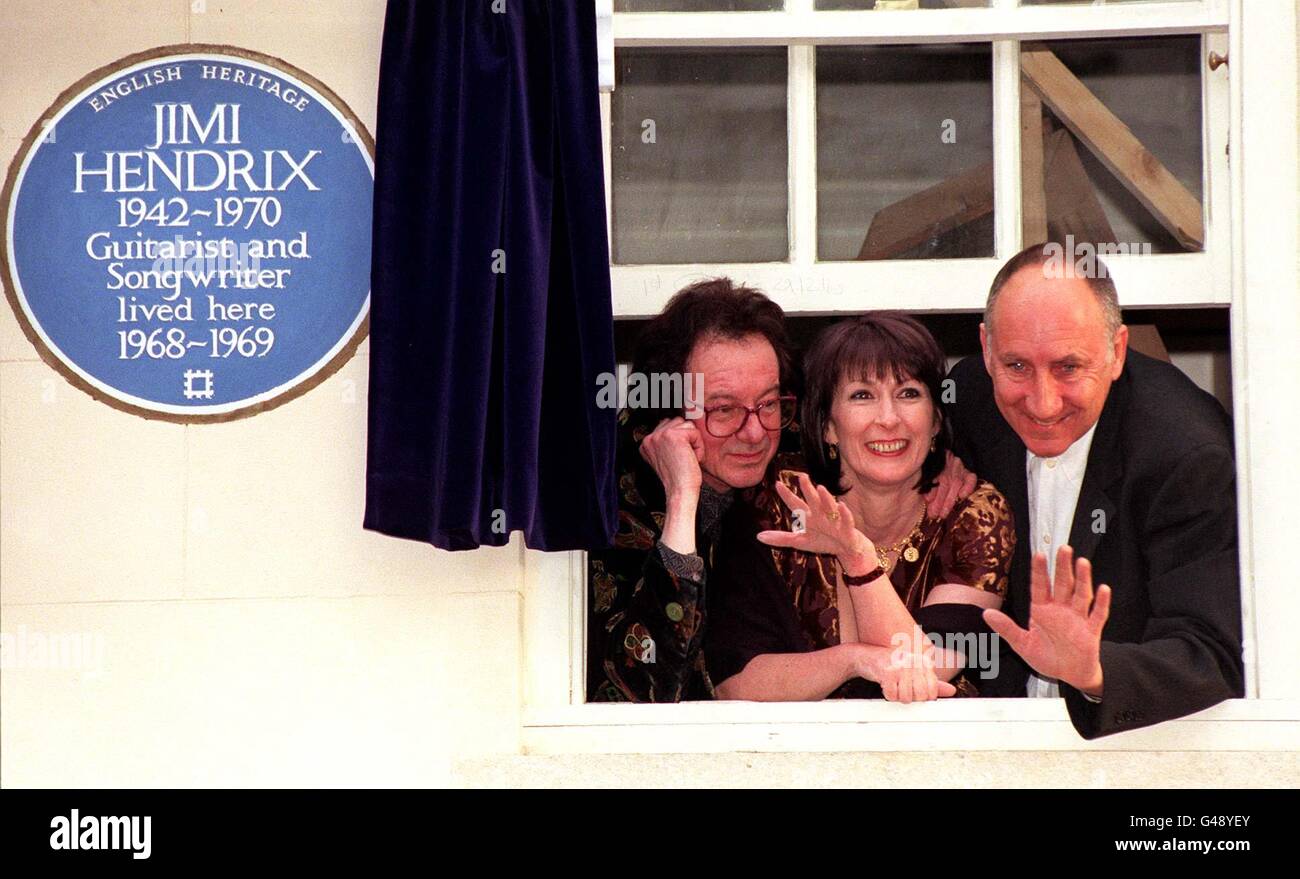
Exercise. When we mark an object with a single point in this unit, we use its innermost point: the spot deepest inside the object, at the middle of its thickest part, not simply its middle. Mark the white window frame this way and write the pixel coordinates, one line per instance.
(1252, 112)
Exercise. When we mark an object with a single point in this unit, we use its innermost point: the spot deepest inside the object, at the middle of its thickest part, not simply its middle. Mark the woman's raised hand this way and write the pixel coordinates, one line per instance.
(821, 524)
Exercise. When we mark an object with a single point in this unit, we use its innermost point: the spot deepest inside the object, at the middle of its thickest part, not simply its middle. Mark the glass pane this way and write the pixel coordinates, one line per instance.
(699, 156)
(1127, 169)
(697, 5)
(900, 4)
(904, 152)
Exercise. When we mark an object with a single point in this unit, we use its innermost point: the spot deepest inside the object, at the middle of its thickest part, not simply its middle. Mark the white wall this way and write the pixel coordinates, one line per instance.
(251, 632)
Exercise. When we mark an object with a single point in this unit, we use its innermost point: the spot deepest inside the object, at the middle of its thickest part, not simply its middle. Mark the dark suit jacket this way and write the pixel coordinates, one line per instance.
(1157, 517)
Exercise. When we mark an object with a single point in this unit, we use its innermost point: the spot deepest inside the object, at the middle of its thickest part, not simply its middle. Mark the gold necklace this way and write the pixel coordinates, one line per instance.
(911, 553)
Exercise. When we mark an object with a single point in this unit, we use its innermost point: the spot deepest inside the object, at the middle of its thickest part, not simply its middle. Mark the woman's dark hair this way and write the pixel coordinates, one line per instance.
(870, 347)
(719, 309)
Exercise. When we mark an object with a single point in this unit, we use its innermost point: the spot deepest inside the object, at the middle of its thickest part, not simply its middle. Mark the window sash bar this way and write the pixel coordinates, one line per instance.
(802, 26)
(801, 102)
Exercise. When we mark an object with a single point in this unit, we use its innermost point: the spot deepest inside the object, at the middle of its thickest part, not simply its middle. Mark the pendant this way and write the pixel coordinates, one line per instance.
(911, 554)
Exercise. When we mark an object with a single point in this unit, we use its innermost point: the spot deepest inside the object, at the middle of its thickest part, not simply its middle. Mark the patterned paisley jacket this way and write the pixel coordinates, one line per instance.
(646, 603)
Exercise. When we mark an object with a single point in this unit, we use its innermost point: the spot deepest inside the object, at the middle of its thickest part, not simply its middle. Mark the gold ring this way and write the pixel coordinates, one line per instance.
(833, 515)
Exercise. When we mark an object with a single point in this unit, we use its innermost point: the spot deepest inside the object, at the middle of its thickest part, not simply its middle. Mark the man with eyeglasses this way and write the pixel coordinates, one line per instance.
(679, 471)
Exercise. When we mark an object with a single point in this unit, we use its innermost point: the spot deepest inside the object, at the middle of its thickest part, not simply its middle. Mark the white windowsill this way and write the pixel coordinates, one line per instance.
(984, 724)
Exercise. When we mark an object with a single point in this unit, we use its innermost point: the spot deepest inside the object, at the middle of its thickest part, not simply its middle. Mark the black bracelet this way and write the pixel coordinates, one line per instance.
(865, 578)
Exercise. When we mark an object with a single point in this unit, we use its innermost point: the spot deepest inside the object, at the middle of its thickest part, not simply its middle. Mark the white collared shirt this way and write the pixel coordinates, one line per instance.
(1054, 485)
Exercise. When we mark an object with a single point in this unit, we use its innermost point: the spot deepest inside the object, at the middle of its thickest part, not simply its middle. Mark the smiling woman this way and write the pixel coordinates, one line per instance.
(832, 609)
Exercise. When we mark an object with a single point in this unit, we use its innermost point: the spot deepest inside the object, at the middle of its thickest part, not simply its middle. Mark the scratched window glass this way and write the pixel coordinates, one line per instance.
(895, 5)
(1111, 143)
(697, 5)
(904, 152)
(1081, 2)
(699, 159)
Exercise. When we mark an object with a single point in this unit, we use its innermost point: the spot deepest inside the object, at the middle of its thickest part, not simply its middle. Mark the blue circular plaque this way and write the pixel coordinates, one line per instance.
(187, 233)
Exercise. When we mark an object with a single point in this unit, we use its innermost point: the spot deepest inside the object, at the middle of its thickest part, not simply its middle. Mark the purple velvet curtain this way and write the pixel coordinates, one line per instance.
(490, 311)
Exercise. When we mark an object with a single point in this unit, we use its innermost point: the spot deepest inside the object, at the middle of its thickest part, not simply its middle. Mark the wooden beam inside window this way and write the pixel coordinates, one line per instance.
(1102, 132)
(1033, 219)
(916, 219)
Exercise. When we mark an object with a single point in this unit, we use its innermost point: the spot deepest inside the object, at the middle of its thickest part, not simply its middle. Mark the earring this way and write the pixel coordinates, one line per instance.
(933, 444)
(833, 453)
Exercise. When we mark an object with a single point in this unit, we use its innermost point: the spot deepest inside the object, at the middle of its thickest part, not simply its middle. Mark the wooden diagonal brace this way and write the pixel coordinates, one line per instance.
(930, 213)
(1102, 132)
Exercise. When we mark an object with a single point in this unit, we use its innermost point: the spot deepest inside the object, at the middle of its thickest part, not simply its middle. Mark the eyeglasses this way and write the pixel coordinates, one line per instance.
(728, 419)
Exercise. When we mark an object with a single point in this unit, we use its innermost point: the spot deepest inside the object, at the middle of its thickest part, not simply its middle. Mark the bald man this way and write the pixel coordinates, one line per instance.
(1120, 473)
